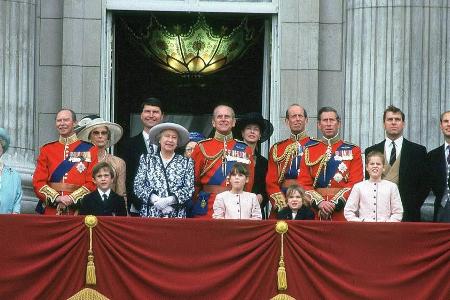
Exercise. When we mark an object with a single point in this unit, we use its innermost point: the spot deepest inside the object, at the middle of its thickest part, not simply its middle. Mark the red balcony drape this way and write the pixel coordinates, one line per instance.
(43, 257)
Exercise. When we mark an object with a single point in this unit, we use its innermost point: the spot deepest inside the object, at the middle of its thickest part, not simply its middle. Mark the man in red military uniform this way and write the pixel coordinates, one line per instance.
(284, 158)
(213, 160)
(330, 168)
(63, 172)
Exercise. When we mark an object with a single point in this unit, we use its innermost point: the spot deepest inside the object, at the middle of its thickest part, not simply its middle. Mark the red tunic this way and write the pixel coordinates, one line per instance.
(79, 175)
(212, 165)
(331, 176)
(284, 166)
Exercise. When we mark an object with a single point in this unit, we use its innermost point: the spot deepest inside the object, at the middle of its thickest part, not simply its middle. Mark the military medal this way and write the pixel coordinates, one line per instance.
(342, 167)
(81, 167)
(338, 177)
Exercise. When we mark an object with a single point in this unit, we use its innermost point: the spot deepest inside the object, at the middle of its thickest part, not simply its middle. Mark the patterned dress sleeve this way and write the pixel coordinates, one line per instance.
(142, 188)
(183, 192)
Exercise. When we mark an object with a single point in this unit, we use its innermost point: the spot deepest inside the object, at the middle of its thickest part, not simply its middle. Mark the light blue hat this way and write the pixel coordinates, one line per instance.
(4, 136)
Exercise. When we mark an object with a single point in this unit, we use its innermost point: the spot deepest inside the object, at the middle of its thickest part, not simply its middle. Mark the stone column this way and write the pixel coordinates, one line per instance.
(17, 53)
(396, 53)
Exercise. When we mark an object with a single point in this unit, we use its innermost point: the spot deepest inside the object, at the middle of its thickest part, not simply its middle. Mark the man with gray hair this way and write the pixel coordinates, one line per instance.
(330, 168)
(213, 160)
(63, 174)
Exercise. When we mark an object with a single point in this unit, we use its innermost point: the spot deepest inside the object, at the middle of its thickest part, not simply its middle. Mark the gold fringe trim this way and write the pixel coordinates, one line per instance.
(88, 294)
(282, 297)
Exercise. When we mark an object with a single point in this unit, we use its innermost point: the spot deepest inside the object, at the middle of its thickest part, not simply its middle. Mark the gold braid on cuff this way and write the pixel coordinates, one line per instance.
(279, 199)
(316, 198)
(49, 193)
(78, 194)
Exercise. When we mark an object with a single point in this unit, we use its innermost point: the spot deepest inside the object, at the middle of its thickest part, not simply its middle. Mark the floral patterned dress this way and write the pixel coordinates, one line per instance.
(175, 179)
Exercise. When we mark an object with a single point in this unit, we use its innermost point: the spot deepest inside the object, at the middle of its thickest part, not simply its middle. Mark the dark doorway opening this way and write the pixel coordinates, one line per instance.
(188, 101)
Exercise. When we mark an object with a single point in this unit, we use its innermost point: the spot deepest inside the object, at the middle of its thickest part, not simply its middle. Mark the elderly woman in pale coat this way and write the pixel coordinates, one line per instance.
(165, 180)
(10, 184)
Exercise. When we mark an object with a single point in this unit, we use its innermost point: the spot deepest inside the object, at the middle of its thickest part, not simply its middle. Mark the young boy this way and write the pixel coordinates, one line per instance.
(296, 209)
(375, 199)
(103, 201)
(237, 204)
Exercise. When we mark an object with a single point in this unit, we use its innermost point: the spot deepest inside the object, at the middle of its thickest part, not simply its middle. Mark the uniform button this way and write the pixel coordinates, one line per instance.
(375, 203)
(374, 197)
(373, 218)
(373, 211)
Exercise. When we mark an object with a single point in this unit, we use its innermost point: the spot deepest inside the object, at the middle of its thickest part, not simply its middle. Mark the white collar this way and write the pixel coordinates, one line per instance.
(145, 134)
(102, 193)
(398, 141)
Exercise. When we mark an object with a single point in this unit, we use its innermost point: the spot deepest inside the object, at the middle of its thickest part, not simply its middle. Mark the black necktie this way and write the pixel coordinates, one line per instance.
(393, 155)
(448, 155)
(105, 197)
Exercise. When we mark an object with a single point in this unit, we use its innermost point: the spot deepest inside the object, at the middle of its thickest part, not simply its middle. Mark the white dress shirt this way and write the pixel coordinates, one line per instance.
(388, 148)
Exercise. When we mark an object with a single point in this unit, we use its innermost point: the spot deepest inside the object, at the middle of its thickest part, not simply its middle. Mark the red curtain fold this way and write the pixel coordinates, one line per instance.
(45, 257)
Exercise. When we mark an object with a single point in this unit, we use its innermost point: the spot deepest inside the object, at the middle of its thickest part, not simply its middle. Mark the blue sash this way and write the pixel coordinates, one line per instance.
(331, 167)
(200, 207)
(66, 165)
(294, 169)
(219, 177)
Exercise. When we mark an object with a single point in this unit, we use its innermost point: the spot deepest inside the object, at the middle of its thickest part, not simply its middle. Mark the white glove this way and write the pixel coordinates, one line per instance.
(167, 210)
(154, 198)
(164, 202)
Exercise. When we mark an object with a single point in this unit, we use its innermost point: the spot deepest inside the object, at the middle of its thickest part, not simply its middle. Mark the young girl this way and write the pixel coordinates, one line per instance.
(375, 199)
(237, 204)
(296, 209)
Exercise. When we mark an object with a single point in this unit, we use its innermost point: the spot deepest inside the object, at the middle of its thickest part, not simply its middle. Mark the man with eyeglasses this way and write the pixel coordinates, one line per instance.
(285, 157)
(63, 174)
(330, 168)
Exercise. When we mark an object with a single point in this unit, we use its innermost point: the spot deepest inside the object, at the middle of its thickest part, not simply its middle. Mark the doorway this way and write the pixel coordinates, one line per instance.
(188, 101)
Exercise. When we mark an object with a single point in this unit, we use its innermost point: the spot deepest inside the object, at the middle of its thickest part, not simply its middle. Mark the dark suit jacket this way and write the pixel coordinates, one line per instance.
(412, 177)
(304, 213)
(93, 204)
(259, 183)
(133, 149)
(437, 175)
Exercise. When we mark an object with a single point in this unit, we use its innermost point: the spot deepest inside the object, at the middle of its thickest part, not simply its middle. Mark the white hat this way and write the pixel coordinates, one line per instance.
(87, 124)
(183, 134)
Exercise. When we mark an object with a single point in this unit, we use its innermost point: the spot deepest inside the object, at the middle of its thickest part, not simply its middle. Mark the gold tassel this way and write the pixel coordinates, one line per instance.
(282, 228)
(90, 270)
(281, 274)
(91, 222)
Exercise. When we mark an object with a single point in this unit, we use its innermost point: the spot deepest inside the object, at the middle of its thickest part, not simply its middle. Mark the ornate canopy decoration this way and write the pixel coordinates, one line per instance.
(194, 50)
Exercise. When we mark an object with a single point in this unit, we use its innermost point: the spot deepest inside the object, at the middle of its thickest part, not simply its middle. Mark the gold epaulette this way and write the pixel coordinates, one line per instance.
(49, 193)
(79, 193)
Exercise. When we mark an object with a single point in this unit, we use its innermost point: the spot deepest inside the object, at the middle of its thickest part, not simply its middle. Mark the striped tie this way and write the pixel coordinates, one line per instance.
(393, 154)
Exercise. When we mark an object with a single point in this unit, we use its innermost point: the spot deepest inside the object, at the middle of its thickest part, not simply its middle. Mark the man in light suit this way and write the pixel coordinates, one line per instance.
(151, 115)
(405, 163)
(438, 176)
